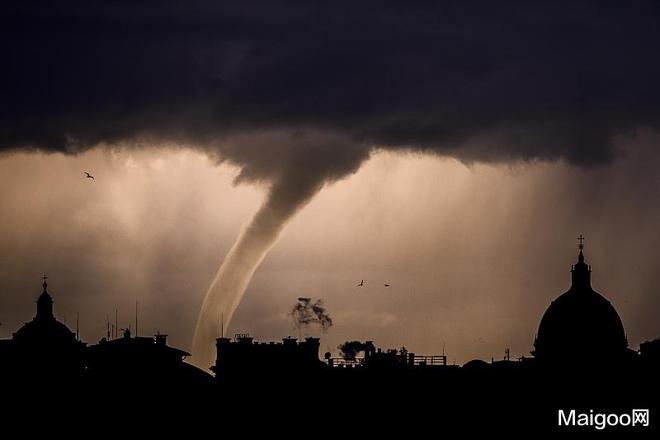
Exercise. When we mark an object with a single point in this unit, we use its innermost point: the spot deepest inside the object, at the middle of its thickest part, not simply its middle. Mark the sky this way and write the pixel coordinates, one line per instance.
(254, 153)
(473, 253)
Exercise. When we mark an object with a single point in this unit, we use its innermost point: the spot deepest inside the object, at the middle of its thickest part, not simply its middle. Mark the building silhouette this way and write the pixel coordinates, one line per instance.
(288, 378)
(44, 347)
(141, 361)
(580, 326)
(45, 352)
(649, 351)
(245, 357)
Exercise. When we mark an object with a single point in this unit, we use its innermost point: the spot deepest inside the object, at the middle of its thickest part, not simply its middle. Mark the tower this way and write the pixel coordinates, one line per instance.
(45, 303)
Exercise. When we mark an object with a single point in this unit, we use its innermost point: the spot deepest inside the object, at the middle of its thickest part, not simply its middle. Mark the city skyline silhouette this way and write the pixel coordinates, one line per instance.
(556, 322)
(580, 346)
(352, 218)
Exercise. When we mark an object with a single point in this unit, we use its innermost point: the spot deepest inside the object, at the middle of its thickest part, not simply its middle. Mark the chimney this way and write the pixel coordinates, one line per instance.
(161, 339)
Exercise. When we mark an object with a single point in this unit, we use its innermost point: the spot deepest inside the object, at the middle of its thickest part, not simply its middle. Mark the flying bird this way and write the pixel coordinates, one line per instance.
(360, 284)
(89, 176)
(387, 285)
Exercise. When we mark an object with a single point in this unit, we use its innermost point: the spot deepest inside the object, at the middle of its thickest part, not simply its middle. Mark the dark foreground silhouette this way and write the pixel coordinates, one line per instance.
(505, 396)
(582, 373)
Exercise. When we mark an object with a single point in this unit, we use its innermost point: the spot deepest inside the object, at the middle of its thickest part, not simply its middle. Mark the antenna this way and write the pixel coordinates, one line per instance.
(115, 323)
(136, 314)
(222, 332)
(78, 326)
(107, 323)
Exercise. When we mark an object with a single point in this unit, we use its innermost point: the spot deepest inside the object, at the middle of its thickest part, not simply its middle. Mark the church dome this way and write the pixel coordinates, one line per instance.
(44, 329)
(40, 332)
(580, 325)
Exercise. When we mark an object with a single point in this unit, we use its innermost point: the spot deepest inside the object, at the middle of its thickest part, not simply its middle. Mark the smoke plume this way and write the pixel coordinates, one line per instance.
(306, 312)
(350, 349)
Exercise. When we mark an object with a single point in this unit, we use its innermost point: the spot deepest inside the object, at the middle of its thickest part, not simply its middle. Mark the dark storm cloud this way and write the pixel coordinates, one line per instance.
(479, 80)
(298, 93)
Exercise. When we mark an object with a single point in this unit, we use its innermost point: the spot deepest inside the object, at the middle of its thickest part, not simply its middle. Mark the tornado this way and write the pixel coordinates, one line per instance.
(285, 198)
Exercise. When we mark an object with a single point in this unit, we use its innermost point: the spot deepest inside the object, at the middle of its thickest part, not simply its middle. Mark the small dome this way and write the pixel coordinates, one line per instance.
(581, 324)
(44, 329)
(475, 364)
(45, 332)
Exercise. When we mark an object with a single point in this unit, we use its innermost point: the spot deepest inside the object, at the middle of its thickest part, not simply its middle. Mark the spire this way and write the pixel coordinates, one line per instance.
(581, 271)
(44, 302)
(580, 240)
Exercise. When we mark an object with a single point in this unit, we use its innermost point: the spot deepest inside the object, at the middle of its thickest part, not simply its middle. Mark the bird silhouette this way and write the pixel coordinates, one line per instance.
(89, 176)
(360, 284)
(387, 285)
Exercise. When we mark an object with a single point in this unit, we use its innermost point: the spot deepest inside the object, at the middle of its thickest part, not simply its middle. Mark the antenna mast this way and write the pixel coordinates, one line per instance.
(136, 315)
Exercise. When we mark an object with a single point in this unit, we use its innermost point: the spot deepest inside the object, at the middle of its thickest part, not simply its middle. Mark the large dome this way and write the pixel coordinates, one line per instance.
(581, 324)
